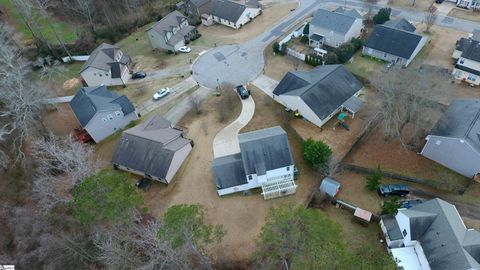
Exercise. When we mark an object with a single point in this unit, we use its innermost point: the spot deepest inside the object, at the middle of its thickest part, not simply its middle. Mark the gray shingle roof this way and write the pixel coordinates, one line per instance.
(228, 10)
(167, 23)
(441, 232)
(103, 56)
(349, 12)
(401, 24)
(334, 21)
(470, 49)
(90, 100)
(324, 89)
(393, 230)
(264, 150)
(149, 147)
(393, 41)
(228, 171)
(476, 34)
(461, 120)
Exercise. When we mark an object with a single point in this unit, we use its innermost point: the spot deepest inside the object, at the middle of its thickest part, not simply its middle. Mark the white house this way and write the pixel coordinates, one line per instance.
(319, 94)
(234, 14)
(171, 32)
(467, 54)
(431, 236)
(106, 65)
(265, 161)
(394, 45)
(454, 142)
(333, 28)
(469, 4)
(101, 112)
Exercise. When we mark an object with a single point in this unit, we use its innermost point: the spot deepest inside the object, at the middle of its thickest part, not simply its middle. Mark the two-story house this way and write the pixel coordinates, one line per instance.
(153, 149)
(431, 236)
(469, 4)
(171, 32)
(106, 65)
(467, 54)
(264, 161)
(102, 112)
(333, 28)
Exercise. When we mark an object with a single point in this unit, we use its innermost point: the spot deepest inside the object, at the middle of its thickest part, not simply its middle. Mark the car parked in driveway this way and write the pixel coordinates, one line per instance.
(393, 190)
(139, 75)
(184, 49)
(242, 91)
(161, 93)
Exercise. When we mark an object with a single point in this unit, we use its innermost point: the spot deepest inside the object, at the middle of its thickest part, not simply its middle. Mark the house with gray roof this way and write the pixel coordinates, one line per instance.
(171, 32)
(102, 112)
(321, 93)
(401, 24)
(153, 149)
(265, 161)
(106, 65)
(454, 142)
(333, 28)
(234, 14)
(195, 8)
(393, 45)
(467, 54)
(431, 235)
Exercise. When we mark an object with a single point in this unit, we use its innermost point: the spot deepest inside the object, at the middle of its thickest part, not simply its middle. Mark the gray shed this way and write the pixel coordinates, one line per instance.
(330, 187)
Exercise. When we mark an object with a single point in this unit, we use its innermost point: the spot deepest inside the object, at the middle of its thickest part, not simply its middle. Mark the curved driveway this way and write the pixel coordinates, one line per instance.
(226, 141)
(242, 63)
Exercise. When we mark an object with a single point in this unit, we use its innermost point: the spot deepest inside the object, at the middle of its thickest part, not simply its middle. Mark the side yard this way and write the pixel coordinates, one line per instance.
(465, 14)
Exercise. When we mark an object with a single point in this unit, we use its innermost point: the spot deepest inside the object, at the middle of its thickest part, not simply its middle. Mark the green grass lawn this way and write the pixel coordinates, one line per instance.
(65, 31)
(364, 66)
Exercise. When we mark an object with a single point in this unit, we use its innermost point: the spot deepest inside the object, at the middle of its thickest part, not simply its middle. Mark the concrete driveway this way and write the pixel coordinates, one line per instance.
(266, 84)
(226, 141)
(162, 74)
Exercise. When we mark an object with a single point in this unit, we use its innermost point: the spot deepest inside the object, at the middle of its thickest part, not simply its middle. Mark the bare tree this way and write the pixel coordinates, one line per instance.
(62, 163)
(430, 17)
(229, 100)
(195, 102)
(368, 6)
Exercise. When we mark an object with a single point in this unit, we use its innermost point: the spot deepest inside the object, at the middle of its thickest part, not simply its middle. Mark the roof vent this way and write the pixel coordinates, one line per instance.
(443, 244)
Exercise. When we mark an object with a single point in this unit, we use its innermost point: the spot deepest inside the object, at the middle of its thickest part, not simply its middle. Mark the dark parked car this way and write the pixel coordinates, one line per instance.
(439, 1)
(139, 75)
(409, 203)
(242, 91)
(393, 190)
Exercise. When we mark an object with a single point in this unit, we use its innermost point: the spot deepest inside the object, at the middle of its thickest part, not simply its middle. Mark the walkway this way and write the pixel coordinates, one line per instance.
(226, 141)
(266, 84)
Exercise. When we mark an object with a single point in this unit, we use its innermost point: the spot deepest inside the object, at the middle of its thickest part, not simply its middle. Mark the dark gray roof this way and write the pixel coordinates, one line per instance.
(264, 150)
(149, 147)
(199, 3)
(391, 225)
(103, 56)
(439, 228)
(316, 37)
(470, 49)
(401, 24)
(334, 21)
(476, 35)
(229, 171)
(349, 12)
(353, 104)
(167, 23)
(324, 89)
(467, 69)
(228, 10)
(461, 120)
(393, 41)
(180, 35)
(90, 100)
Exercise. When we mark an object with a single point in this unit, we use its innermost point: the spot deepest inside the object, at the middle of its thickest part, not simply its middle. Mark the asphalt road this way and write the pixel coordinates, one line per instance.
(242, 63)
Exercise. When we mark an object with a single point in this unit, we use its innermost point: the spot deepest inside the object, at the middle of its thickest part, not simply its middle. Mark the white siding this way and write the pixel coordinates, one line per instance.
(177, 161)
(354, 31)
(100, 126)
(404, 225)
(95, 77)
(158, 41)
(296, 103)
(247, 15)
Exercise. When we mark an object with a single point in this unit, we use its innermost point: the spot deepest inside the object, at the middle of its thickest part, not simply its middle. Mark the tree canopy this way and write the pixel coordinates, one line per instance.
(382, 16)
(106, 196)
(317, 153)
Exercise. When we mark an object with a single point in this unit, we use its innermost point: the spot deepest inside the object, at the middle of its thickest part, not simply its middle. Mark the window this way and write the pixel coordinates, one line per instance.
(100, 74)
(106, 74)
(94, 74)
(462, 61)
(404, 232)
(110, 117)
(288, 169)
(385, 55)
(104, 119)
(118, 113)
(250, 177)
(370, 51)
(472, 77)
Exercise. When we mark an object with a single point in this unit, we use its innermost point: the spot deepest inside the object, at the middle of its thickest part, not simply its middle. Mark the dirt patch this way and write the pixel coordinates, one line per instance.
(60, 119)
(221, 34)
(72, 85)
(465, 14)
(276, 66)
(443, 42)
(194, 183)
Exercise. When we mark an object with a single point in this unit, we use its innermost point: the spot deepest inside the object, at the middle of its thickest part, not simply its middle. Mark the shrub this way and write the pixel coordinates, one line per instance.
(331, 58)
(304, 39)
(316, 153)
(276, 47)
(391, 206)
(373, 179)
(344, 52)
(357, 44)
(306, 30)
(382, 16)
(283, 49)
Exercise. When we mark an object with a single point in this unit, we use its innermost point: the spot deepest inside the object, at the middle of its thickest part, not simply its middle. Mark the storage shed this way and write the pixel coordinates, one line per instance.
(329, 187)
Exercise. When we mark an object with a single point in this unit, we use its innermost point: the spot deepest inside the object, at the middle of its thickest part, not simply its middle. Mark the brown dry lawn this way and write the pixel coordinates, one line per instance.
(420, 5)
(443, 42)
(465, 14)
